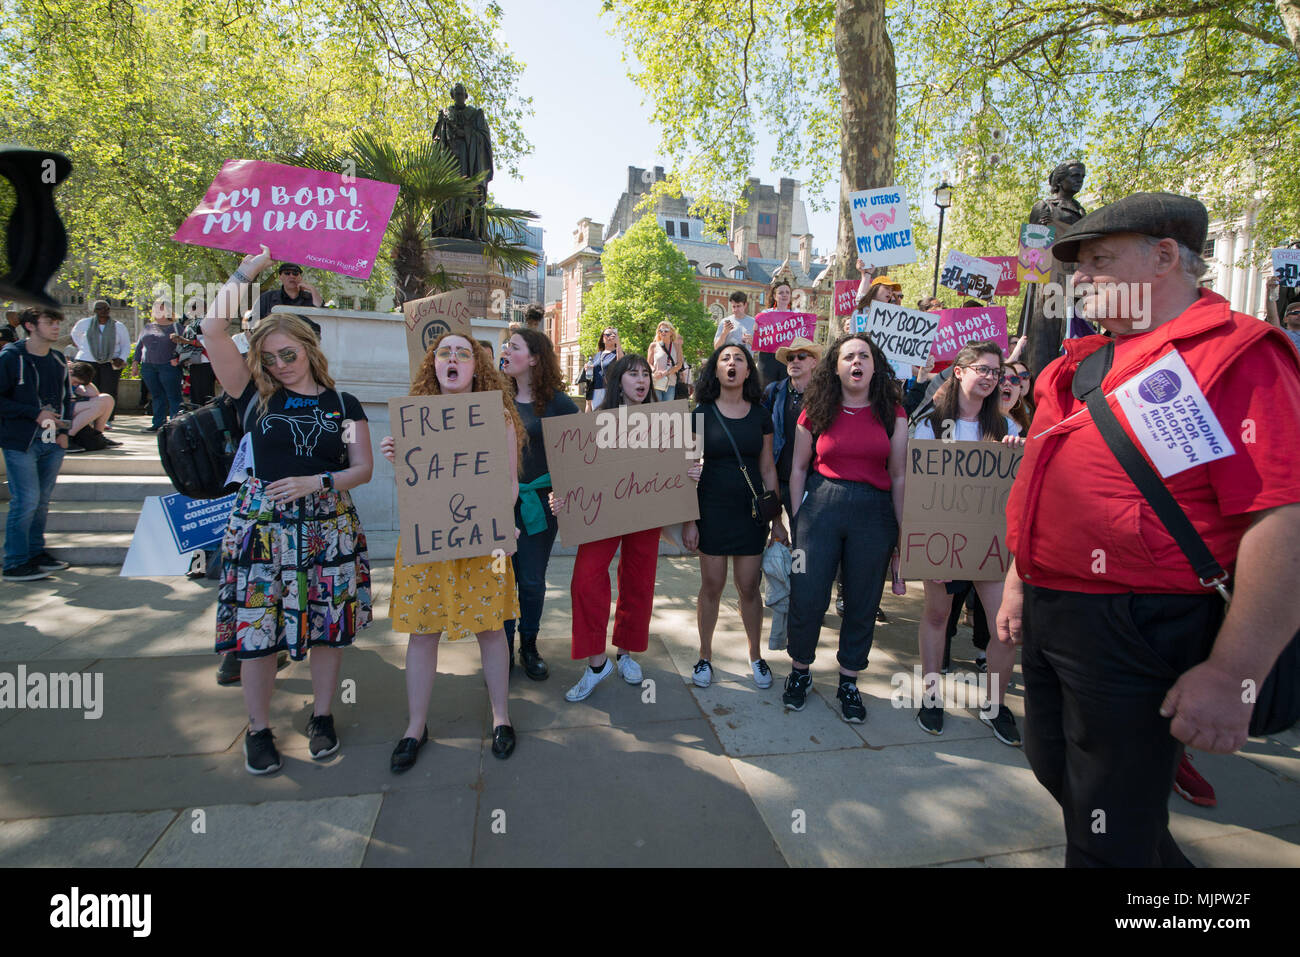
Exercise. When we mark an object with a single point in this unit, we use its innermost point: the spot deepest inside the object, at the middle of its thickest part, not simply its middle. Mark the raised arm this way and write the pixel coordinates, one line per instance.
(229, 366)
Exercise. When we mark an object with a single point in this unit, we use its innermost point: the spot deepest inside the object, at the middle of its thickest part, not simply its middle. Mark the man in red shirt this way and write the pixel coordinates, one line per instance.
(1127, 656)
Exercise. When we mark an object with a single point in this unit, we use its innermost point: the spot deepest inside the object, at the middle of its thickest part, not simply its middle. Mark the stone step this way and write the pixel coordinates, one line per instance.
(89, 548)
(89, 516)
(110, 488)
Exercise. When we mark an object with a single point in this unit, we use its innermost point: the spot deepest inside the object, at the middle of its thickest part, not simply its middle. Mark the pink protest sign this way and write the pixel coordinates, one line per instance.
(324, 220)
(846, 296)
(1008, 284)
(960, 326)
(774, 329)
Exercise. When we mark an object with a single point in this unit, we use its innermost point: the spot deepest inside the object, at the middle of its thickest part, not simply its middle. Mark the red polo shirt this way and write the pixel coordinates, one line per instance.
(1075, 520)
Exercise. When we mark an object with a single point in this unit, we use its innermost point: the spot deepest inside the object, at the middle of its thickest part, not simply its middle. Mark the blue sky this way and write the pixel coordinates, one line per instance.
(588, 123)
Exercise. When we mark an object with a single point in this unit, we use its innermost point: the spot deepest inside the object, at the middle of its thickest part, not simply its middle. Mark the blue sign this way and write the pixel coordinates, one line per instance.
(197, 522)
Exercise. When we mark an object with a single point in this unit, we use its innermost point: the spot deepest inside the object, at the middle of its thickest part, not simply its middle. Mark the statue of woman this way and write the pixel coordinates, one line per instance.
(1045, 327)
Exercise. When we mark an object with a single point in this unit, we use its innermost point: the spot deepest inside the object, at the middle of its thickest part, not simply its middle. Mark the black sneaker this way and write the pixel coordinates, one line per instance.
(260, 756)
(324, 742)
(851, 707)
(982, 663)
(1003, 725)
(930, 720)
(881, 617)
(48, 563)
(26, 572)
(796, 690)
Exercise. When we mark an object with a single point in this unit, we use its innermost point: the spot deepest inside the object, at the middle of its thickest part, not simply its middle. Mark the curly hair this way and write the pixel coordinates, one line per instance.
(547, 379)
(709, 386)
(614, 380)
(947, 401)
(487, 378)
(824, 395)
(296, 328)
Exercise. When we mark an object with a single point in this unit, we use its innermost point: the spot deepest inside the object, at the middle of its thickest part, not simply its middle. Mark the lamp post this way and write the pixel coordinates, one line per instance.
(942, 199)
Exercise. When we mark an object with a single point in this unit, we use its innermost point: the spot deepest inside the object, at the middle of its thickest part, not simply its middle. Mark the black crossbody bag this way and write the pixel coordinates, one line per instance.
(1277, 706)
(762, 508)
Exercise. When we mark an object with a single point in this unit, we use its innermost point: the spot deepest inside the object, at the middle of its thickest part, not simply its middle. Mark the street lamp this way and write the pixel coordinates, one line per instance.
(942, 199)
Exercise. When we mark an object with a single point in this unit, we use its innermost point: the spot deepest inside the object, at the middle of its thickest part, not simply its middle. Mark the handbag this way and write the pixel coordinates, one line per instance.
(762, 508)
(1277, 704)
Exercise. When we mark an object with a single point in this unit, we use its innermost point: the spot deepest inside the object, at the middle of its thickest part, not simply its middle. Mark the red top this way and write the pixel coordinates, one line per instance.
(855, 448)
(1075, 520)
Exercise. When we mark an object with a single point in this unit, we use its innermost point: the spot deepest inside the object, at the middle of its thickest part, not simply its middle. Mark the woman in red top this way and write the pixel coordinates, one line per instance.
(849, 519)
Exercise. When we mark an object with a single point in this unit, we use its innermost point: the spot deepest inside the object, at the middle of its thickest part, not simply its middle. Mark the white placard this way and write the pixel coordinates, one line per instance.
(242, 467)
(882, 226)
(903, 335)
(1286, 266)
(970, 275)
(153, 548)
(1171, 419)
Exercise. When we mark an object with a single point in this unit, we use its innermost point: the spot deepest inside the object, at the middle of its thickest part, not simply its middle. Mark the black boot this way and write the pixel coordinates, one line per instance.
(532, 662)
(510, 646)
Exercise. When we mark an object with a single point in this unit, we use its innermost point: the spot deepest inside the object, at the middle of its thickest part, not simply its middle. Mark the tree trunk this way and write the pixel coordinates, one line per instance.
(868, 112)
(1289, 11)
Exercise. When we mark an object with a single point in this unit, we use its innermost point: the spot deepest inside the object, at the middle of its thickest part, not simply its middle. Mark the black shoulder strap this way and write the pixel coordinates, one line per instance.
(1087, 388)
(735, 448)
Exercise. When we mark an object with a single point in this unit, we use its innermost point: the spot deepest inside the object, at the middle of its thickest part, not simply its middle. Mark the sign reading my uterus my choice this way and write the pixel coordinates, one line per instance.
(882, 226)
(328, 221)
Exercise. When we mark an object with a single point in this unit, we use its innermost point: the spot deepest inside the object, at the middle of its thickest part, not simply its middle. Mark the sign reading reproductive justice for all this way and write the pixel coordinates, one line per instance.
(325, 220)
(960, 326)
(882, 226)
(427, 319)
(452, 466)
(621, 472)
(955, 510)
(904, 335)
(774, 329)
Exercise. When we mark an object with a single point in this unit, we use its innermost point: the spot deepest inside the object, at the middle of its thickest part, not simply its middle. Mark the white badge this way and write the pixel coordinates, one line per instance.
(242, 467)
(1171, 419)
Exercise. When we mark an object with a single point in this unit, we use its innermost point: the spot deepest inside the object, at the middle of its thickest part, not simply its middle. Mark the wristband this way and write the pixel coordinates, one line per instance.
(239, 277)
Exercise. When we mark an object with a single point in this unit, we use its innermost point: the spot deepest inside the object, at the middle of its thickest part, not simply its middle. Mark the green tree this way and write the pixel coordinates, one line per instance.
(645, 280)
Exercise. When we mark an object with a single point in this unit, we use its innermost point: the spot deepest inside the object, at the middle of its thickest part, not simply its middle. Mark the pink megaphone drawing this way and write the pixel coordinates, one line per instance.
(879, 221)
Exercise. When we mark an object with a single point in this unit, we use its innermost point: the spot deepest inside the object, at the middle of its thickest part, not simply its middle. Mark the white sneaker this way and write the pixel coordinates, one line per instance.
(703, 675)
(630, 670)
(587, 683)
(762, 673)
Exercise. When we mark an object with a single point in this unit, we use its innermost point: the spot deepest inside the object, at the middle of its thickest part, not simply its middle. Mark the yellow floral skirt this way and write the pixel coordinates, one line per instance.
(459, 597)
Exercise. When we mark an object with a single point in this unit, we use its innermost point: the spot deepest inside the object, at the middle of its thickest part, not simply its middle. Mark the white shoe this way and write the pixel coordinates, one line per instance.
(762, 673)
(630, 670)
(587, 683)
(703, 675)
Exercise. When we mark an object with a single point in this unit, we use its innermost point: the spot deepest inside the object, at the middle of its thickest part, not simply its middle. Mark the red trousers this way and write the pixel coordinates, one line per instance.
(636, 592)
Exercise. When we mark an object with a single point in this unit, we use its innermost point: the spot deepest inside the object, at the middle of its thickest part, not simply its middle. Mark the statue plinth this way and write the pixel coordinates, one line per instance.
(488, 287)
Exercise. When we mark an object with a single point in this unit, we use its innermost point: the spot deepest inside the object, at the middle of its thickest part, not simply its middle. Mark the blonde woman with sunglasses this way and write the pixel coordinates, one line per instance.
(296, 575)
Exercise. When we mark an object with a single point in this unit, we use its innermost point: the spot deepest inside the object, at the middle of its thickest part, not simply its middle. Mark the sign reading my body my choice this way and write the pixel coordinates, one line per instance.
(774, 329)
(324, 220)
(882, 226)
(904, 335)
(452, 466)
(960, 326)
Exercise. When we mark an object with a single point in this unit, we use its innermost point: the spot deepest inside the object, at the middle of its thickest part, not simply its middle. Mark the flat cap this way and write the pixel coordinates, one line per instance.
(1162, 215)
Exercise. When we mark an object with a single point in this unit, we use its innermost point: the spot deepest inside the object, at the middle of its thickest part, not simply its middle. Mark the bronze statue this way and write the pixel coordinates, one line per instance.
(1046, 326)
(463, 132)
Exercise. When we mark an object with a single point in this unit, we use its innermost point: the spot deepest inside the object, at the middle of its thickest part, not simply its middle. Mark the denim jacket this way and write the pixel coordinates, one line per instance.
(774, 397)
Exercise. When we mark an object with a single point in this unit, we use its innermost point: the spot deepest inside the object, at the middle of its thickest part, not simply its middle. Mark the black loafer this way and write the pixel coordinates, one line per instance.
(533, 664)
(503, 741)
(405, 753)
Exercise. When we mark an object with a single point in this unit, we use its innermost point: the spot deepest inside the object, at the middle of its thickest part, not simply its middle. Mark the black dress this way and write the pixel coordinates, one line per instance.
(726, 523)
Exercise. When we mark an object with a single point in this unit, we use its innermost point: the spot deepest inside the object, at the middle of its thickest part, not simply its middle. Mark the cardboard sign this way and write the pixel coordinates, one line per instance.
(774, 329)
(624, 471)
(1034, 261)
(882, 226)
(153, 550)
(1008, 284)
(1169, 416)
(846, 296)
(904, 335)
(452, 467)
(970, 276)
(960, 326)
(1286, 266)
(955, 510)
(323, 220)
(427, 319)
(197, 522)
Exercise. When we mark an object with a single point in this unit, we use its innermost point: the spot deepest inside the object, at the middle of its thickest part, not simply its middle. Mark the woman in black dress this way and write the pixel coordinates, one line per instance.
(730, 400)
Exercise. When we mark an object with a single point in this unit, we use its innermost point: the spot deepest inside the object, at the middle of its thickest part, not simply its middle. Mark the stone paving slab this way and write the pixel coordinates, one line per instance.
(10, 667)
(90, 840)
(433, 828)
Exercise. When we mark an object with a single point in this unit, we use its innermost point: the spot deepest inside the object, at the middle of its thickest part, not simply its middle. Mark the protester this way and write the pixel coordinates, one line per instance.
(736, 329)
(608, 351)
(849, 457)
(36, 405)
(534, 315)
(1013, 387)
(665, 357)
(779, 298)
(194, 359)
(783, 400)
(92, 408)
(537, 382)
(1291, 323)
(295, 574)
(293, 291)
(880, 289)
(157, 363)
(738, 468)
(105, 344)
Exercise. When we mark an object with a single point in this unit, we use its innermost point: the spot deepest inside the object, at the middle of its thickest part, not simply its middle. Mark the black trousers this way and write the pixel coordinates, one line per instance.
(106, 380)
(1097, 668)
(202, 383)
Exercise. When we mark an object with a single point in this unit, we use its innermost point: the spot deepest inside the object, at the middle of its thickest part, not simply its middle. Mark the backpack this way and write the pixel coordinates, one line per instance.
(197, 448)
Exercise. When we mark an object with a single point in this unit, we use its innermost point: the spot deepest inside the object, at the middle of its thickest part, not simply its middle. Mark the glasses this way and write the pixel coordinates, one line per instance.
(460, 353)
(286, 356)
(796, 356)
(1012, 379)
(985, 372)
(291, 272)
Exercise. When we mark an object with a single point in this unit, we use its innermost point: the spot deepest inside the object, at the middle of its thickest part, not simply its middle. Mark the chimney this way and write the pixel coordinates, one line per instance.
(805, 252)
(739, 245)
(588, 233)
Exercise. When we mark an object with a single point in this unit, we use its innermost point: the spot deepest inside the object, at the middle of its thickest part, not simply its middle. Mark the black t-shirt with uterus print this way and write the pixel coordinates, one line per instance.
(299, 434)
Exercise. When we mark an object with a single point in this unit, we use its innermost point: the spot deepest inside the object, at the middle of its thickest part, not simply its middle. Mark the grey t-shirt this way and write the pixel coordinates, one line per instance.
(737, 335)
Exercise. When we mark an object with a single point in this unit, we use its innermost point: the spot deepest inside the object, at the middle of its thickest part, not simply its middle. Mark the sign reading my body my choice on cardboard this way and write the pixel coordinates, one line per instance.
(846, 296)
(452, 466)
(970, 275)
(427, 319)
(774, 329)
(1171, 419)
(882, 226)
(955, 510)
(323, 220)
(623, 471)
(1286, 266)
(960, 326)
(904, 335)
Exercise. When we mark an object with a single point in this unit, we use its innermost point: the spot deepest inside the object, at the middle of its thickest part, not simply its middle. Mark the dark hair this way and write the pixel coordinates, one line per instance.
(709, 387)
(82, 370)
(947, 401)
(289, 267)
(600, 343)
(32, 315)
(547, 379)
(614, 379)
(738, 296)
(825, 395)
(974, 304)
(1022, 413)
(7, 333)
(534, 313)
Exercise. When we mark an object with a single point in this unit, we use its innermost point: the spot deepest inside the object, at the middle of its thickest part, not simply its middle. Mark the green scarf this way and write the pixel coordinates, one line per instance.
(531, 507)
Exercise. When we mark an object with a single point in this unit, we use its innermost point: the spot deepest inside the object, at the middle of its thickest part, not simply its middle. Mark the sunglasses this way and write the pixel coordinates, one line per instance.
(291, 272)
(799, 355)
(1012, 379)
(286, 356)
(460, 353)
